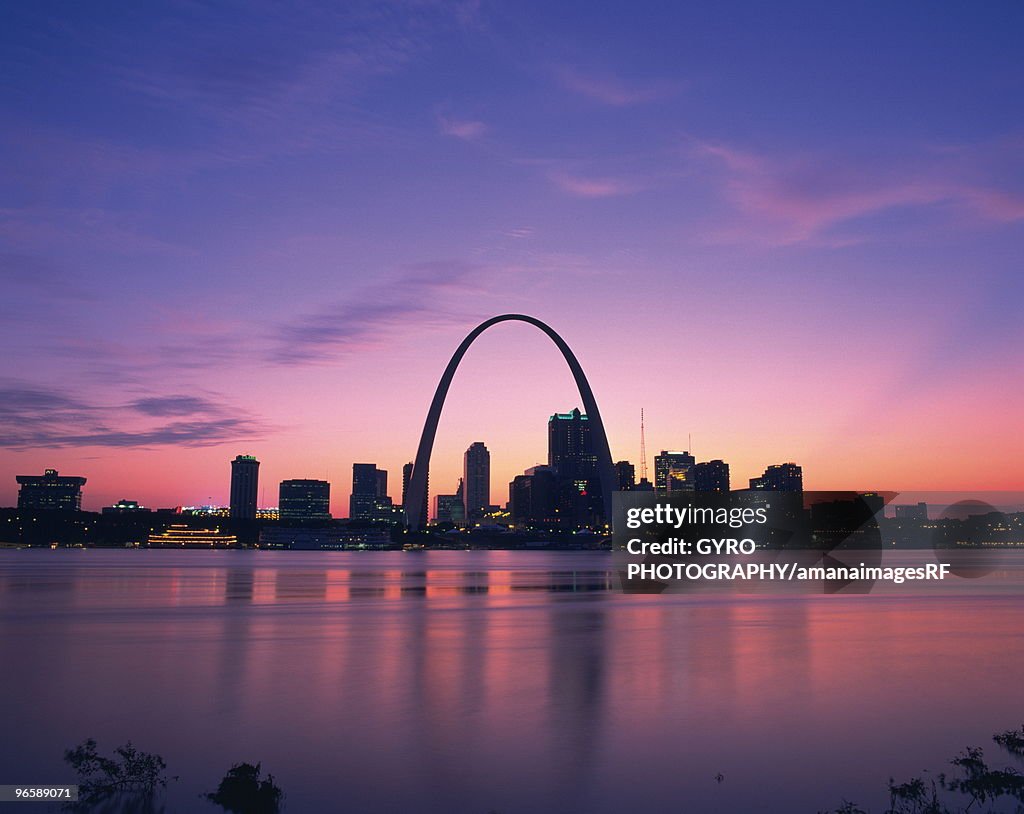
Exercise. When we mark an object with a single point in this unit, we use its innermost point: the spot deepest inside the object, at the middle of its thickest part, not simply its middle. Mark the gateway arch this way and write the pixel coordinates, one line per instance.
(418, 483)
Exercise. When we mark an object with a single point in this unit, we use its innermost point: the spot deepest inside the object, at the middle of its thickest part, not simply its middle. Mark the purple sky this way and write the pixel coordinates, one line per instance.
(794, 231)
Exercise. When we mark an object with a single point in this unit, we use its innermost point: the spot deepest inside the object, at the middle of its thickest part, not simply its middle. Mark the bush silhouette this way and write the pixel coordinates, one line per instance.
(974, 779)
(242, 791)
(126, 782)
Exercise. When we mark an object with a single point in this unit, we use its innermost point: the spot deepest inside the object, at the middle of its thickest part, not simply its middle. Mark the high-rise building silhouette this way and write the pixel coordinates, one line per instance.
(711, 476)
(680, 465)
(786, 477)
(369, 499)
(50, 492)
(245, 477)
(451, 508)
(533, 497)
(406, 480)
(305, 500)
(625, 476)
(476, 481)
(573, 460)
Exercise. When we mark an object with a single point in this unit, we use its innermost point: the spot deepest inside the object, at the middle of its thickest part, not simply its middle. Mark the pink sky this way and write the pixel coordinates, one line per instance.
(266, 233)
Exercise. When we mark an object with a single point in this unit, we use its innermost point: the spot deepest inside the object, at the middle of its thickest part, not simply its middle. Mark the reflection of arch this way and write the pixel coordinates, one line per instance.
(417, 492)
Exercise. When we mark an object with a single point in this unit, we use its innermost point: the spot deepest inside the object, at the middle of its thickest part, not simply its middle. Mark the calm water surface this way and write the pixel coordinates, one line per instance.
(494, 681)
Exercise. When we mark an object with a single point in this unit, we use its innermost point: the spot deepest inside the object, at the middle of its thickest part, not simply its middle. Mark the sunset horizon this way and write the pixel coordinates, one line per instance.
(217, 240)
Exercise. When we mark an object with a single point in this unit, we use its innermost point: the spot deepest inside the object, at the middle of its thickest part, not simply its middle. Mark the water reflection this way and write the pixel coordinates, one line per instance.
(510, 681)
(239, 585)
(305, 585)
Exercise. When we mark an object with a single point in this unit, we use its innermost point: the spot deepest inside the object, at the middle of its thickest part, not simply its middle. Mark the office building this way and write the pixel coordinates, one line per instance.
(625, 476)
(679, 465)
(711, 476)
(406, 479)
(369, 500)
(786, 477)
(573, 461)
(245, 477)
(451, 508)
(369, 485)
(50, 492)
(476, 481)
(533, 497)
(679, 480)
(304, 500)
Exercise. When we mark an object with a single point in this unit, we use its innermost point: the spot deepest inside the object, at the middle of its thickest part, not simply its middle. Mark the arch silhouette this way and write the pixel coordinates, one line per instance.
(418, 482)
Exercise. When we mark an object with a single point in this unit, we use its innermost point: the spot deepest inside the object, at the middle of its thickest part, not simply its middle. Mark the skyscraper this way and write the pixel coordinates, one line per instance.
(245, 476)
(303, 499)
(711, 476)
(476, 480)
(406, 479)
(786, 477)
(369, 492)
(625, 476)
(50, 492)
(679, 463)
(572, 458)
(532, 498)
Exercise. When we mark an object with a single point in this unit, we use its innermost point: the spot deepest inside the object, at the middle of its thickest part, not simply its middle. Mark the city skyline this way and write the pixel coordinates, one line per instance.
(234, 229)
(309, 498)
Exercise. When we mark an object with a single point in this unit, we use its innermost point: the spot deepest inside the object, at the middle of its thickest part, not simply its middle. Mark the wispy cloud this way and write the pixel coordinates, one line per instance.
(794, 199)
(415, 298)
(610, 90)
(41, 417)
(174, 406)
(465, 129)
(592, 187)
(261, 95)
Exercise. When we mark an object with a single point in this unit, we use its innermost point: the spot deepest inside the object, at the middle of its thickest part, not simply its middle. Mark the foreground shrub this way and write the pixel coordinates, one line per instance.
(243, 791)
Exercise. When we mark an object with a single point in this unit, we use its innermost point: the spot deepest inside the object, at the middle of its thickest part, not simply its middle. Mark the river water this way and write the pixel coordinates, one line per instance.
(509, 682)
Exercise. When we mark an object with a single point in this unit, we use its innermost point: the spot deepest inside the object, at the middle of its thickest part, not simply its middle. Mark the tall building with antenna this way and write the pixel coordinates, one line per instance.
(673, 471)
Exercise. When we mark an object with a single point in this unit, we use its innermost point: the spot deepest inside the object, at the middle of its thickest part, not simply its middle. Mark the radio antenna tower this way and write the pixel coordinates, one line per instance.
(643, 448)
